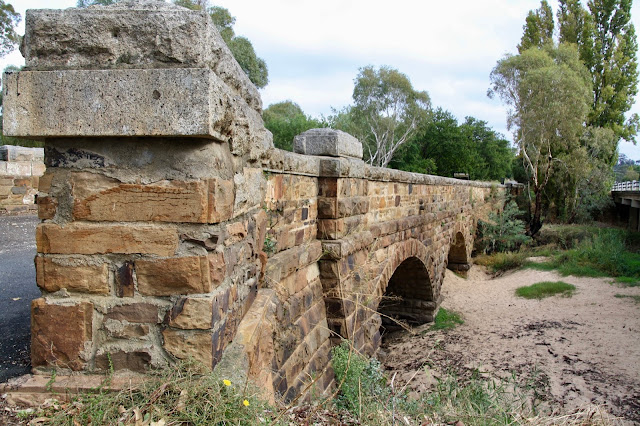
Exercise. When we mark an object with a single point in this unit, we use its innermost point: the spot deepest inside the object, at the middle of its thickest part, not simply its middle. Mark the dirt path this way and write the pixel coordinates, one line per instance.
(578, 350)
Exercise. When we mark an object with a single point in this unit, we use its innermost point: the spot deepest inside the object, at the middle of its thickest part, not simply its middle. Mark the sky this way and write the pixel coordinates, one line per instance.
(314, 49)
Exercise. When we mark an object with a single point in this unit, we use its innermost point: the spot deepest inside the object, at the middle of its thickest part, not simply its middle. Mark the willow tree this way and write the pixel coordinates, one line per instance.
(548, 94)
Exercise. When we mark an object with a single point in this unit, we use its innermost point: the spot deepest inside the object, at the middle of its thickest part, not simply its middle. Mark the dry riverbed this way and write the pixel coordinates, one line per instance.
(576, 351)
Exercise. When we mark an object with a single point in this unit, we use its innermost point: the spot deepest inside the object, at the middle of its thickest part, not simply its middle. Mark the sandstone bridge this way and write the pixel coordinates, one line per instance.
(172, 228)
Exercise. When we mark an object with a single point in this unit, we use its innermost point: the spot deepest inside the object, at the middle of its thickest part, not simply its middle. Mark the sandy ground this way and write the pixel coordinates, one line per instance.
(578, 350)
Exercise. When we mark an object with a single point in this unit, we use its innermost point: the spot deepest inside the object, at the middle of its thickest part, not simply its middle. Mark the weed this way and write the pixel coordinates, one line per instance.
(360, 380)
(269, 246)
(546, 289)
(475, 401)
(49, 385)
(627, 296)
(540, 266)
(446, 320)
(603, 254)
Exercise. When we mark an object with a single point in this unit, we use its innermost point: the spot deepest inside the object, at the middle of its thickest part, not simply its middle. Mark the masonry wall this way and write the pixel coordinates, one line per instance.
(20, 170)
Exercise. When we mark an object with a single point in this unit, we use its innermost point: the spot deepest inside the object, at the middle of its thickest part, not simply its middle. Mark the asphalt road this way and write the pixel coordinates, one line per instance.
(17, 289)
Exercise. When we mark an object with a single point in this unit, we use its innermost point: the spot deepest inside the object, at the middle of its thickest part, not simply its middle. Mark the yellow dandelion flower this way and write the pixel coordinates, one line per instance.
(246, 403)
(226, 382)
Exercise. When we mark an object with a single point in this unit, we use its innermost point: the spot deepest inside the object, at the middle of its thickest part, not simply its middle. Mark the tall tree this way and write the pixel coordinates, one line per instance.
(9, 18)
(608, 46)
(386, 112)
(285, 120)
(538, 28)
(547, 94)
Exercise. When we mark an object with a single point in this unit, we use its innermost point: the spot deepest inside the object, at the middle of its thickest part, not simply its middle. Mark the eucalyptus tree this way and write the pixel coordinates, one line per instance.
(9, 18)
(386, 112)
(547, 92)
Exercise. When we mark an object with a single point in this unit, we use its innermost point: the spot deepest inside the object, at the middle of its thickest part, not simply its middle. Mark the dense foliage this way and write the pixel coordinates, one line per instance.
(503, 231)
(444, 147)
(286, 120)
(9, 18)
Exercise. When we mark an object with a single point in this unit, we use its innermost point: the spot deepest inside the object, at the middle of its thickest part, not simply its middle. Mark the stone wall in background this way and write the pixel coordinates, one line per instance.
(20, 171)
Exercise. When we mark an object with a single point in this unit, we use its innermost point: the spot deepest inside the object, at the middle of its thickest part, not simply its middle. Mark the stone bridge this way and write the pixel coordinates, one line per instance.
(172, 228)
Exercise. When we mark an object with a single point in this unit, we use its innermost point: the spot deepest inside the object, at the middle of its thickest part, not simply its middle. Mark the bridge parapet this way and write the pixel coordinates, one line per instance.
(172, 228)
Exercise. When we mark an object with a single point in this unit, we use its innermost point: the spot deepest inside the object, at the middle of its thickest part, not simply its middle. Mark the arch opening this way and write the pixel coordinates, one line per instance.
(408, 297)
(458, 260)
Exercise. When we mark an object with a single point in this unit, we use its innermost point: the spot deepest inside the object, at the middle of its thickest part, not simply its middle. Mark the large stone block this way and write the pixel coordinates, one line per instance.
(132, 34)
(53, 275)
(180, 275)
(85, 238)
(329, 142)
(59, 333)
(132, 102)
(100, 198)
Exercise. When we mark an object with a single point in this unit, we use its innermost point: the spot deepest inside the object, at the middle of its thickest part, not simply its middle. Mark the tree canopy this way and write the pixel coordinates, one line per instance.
(285, 120)
(386, 112)
(444, 147)
(547, 94)
(9, 18)
(538, 28)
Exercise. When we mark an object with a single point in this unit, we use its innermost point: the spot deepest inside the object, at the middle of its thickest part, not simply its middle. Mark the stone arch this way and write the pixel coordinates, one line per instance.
(406, 286)
(459, 255)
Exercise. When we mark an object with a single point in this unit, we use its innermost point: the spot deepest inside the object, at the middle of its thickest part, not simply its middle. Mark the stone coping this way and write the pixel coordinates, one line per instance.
(281, 161)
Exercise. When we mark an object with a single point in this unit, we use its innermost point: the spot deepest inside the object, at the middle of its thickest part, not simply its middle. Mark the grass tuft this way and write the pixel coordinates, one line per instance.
(501, 262)
(546, 289)
(628, 281)
(627, 296)
(446, 320)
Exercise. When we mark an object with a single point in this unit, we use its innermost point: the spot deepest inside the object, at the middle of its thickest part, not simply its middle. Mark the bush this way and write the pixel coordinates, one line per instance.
(503, 231)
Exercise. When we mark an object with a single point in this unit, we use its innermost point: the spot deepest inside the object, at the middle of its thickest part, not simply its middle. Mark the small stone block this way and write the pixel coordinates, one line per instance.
(329, 142)
(180, 275)
(51, 275)
(59, 333)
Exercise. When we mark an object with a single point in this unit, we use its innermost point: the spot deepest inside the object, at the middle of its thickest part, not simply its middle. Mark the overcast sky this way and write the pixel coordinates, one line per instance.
(314, 48)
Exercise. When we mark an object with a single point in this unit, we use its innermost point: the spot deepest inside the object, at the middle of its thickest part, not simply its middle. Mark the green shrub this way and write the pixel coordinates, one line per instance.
(503, 231)
(545, 289)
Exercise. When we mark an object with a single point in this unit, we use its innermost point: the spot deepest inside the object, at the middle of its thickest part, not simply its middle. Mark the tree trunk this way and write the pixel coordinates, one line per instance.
(535, 224)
